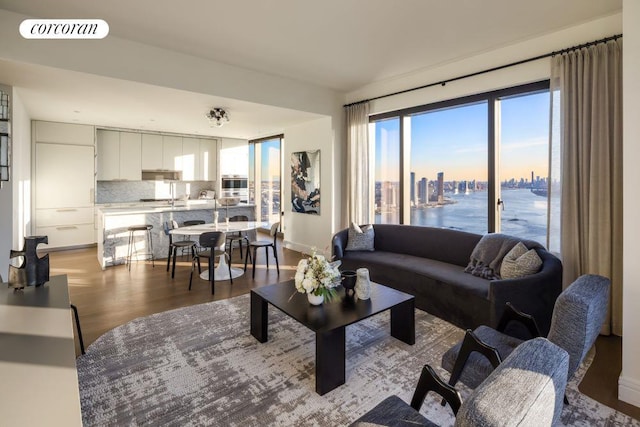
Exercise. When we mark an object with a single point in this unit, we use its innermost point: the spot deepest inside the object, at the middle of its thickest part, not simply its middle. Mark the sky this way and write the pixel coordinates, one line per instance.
(454, 141)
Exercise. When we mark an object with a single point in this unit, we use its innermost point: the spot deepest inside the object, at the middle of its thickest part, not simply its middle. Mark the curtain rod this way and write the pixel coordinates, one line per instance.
(500, 67)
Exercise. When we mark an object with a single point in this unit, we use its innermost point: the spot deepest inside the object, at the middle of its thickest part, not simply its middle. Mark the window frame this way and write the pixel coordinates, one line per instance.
(492, 98)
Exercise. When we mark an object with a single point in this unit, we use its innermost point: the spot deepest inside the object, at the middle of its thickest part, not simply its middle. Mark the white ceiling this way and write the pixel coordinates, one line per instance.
(339, 44)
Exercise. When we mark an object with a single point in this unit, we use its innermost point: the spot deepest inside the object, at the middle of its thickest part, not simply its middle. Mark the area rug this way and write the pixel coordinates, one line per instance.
(199, 365)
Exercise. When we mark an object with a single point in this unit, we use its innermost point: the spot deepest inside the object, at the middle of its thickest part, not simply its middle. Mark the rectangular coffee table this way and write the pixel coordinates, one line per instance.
(329, 320)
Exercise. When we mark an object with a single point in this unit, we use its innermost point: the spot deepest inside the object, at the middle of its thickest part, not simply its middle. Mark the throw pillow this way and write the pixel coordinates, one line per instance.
(520, 262)
(360, 239)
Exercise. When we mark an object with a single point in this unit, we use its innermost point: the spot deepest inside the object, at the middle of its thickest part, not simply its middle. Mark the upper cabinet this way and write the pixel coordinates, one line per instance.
(119, 155)
(63, 133)
(208, 159)
(191, 159)
(124, 155)
(151, 151)
(234, 157)
(172, 153)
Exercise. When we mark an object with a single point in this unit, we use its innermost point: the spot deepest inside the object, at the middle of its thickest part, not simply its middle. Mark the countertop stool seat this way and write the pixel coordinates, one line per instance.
(133, 251)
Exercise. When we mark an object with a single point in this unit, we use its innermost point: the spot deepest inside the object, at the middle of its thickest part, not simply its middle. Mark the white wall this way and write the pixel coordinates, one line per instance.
(521, 74)
(6, 216)
(302, 232)
(21, 179)
(629, 382)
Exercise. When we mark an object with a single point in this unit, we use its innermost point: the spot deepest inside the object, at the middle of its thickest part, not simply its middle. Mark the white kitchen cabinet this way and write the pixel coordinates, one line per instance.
(234, 157)
(64, 182)
(63, 176)
(191, 159)
(119, 155)
(172, 153)
(63, 133)
(151, 151)
(208, 159)
(108, 149)
(130, 156)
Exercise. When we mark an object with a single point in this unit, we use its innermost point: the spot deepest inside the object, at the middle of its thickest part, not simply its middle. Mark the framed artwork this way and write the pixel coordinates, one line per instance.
(305, 182)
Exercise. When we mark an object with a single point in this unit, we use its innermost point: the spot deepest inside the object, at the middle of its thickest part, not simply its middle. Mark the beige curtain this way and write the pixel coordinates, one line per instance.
(359, 202)
(586, 167)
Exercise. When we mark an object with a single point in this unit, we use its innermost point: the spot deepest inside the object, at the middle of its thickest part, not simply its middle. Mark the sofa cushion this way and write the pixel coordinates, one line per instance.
(437, 270)
(360, 239)
(520, 262)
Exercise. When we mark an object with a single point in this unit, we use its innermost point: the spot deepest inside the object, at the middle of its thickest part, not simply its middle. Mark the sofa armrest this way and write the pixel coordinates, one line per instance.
(534, 294)
(339, 243)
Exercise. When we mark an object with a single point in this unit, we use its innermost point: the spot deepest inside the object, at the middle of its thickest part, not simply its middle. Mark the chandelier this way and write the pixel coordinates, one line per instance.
(217, 117)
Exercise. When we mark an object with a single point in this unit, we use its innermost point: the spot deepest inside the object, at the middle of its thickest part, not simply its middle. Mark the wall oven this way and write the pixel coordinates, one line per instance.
(235, 186)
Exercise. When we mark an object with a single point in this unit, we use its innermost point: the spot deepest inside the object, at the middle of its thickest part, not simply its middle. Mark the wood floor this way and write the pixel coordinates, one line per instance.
(109, 298)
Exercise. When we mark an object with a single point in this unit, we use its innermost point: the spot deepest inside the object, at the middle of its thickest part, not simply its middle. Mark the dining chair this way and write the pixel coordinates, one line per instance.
(174, 246)
(239, 236)
(189, 223)
(578, 315)
(213, 243)
(256, 244)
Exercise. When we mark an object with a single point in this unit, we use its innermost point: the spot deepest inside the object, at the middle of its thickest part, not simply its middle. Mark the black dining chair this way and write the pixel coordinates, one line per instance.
(264, 244)
(238, 236)
(191, 222)
(213, 243)
(174, 246)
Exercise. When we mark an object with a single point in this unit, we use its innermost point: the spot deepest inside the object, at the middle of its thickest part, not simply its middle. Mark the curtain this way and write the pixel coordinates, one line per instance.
(359, 201)
(585, 200)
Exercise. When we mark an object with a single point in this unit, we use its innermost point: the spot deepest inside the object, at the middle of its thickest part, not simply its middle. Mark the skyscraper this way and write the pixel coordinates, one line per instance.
(440, 187)
(423, 190)
(413, 189)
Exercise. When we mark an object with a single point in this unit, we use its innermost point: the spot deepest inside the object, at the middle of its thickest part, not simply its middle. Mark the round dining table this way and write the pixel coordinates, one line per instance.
(221, 272)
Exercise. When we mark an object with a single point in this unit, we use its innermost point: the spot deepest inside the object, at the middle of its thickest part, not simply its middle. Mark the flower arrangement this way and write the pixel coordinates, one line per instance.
(315, 275)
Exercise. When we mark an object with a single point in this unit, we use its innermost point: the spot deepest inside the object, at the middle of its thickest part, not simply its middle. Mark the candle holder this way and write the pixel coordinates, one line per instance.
(33, 271)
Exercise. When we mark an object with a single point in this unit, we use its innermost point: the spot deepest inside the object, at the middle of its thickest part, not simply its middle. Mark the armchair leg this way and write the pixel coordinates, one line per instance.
(430, 381)
(470, 344)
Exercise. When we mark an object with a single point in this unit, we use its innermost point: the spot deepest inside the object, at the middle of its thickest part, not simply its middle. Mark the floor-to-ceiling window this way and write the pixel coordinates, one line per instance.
(449, 161)
(387, 171)
(264, 178)
(478, 163)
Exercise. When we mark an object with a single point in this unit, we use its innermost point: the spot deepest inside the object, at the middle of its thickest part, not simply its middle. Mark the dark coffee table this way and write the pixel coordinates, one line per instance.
(329, 320)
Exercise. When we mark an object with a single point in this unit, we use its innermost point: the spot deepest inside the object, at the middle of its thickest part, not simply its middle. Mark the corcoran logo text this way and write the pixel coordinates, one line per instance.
(64, 29)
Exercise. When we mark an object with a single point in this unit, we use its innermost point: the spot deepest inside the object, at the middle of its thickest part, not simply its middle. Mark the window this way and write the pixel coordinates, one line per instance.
(264, 178)
(478, 163)
(387, 171)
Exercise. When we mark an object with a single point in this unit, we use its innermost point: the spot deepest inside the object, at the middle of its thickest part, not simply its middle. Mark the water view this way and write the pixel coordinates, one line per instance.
(524, 215)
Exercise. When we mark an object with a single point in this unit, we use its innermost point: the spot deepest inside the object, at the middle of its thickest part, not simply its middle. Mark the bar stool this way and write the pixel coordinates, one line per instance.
(133, 251)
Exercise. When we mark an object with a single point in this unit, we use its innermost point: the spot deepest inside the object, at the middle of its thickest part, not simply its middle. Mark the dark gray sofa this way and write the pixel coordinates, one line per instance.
(429, 263)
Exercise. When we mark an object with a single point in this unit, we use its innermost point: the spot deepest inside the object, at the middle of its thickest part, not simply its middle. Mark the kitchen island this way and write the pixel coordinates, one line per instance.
(114, 220)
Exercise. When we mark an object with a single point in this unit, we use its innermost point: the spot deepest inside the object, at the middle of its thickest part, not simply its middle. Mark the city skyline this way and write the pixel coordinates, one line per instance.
(454, 140)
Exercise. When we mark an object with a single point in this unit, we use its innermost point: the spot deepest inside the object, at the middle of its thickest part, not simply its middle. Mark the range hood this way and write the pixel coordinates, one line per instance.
(161, 175)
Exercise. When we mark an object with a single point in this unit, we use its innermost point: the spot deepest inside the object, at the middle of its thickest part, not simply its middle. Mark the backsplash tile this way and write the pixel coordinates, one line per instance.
(133, 191)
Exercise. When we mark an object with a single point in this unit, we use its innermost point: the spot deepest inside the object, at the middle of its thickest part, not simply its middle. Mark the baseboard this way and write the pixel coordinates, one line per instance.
(629, 390)
(305, 249)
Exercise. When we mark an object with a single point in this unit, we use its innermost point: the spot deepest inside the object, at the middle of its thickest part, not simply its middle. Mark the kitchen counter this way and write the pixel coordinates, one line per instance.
(114, 220)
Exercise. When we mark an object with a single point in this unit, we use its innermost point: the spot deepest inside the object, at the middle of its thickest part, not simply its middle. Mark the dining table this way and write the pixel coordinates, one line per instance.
(221, 272)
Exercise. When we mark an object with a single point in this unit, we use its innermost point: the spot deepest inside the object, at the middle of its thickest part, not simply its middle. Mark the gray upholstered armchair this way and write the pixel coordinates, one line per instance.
(578, 315)
(526, 389)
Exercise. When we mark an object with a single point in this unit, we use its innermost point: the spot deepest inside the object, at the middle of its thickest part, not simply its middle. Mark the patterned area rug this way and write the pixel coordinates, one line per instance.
(200, 366)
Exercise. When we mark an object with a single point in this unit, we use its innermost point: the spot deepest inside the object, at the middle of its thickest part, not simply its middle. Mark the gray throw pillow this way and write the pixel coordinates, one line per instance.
(520, 262)
(360, 239)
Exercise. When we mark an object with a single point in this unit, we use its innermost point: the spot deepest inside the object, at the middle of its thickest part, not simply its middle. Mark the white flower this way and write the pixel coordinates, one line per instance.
(302, 265)
(309, 284)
